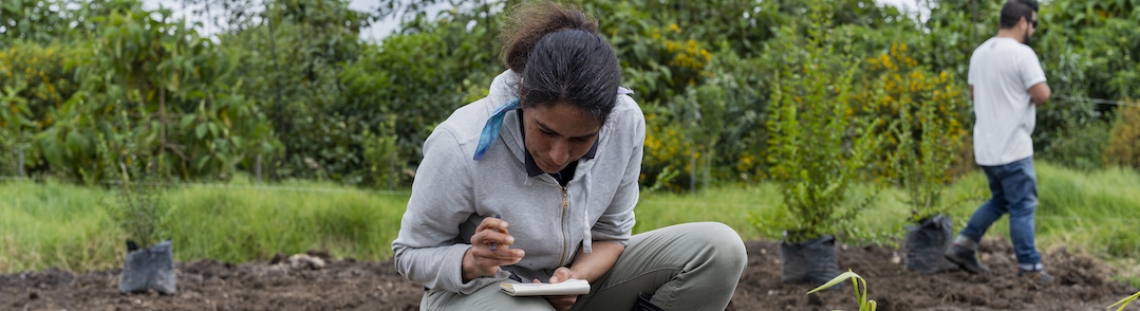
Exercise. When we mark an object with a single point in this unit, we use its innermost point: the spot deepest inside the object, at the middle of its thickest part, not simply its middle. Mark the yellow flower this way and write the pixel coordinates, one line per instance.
(675, 28)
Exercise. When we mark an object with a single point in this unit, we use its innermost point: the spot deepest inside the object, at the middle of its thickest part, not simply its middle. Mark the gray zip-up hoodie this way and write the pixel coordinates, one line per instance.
(452, 193)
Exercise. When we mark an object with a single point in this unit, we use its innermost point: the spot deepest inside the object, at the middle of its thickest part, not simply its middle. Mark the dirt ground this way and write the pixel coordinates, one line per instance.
(1082, 283)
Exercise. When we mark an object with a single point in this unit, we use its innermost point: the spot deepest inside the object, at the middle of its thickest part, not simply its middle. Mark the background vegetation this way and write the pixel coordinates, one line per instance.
(288, 86)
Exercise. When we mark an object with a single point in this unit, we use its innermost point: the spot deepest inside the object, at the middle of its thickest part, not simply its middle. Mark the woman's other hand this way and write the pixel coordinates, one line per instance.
(561, 302)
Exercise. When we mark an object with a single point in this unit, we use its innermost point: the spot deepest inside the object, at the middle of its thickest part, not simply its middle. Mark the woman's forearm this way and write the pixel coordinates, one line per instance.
(593, 266)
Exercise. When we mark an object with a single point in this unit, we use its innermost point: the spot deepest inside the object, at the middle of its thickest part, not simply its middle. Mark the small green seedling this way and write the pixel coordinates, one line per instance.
(1124, 302)
(860, 286)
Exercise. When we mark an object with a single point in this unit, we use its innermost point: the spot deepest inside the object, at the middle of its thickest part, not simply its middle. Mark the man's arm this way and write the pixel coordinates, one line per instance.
(1040, 93)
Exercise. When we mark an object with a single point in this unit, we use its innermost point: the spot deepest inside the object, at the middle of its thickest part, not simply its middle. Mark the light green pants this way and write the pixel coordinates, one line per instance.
(692, 266)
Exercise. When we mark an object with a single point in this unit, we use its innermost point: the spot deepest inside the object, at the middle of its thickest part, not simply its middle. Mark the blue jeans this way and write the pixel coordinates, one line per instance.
(1014, 190)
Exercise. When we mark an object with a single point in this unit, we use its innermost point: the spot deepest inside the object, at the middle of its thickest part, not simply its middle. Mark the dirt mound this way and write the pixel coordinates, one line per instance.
(1081, 284)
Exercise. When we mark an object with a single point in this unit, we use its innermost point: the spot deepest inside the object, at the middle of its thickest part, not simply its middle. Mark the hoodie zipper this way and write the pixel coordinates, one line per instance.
(562, 222)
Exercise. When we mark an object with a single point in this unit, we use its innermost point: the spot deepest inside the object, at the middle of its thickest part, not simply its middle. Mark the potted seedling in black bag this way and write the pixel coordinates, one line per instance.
(817, 148)
(925, 150)
(142, 213)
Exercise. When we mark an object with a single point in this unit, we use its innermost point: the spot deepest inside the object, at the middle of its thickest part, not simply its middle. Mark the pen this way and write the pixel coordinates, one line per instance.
(493, 243)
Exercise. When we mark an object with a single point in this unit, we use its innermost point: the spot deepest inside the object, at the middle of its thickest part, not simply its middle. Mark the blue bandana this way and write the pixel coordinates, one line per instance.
(494, 125)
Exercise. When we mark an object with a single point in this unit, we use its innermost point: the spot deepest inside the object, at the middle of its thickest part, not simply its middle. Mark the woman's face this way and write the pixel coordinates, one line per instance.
(558, 134)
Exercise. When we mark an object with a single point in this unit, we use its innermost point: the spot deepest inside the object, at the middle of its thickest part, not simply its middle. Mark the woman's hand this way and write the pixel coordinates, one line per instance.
(481, 260)
(562, 302)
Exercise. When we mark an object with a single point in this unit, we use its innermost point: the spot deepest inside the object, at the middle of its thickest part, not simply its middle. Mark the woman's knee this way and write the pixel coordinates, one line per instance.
(725, 242)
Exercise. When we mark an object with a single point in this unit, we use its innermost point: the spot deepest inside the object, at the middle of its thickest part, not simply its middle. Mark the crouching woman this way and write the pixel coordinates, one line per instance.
(538, 181)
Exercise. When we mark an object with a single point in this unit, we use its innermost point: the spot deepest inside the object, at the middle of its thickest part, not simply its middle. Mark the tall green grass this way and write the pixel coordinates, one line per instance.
(54, 225)
(1097, 211)
(66, 226)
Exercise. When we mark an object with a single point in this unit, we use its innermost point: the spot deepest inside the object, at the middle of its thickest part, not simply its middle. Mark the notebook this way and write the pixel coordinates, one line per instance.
(570, 287)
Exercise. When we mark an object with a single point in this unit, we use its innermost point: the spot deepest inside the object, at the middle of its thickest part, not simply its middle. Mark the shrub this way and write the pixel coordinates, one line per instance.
(34, 83)
(386, 169)
(1124, 140)
(902, 90)
(1080, 147)
(921, 165)
(667, 155)
(140, 209)
(817, 147)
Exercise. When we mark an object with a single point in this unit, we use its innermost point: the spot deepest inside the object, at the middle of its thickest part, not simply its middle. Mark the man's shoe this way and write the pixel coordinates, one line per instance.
(966, 259)
(1044, 277)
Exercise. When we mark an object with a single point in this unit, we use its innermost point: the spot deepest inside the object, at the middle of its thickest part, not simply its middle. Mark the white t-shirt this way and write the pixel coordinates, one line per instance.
(1001, 71)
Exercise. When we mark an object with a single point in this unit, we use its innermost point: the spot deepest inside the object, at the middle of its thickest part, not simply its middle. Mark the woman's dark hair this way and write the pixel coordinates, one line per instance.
(1014, 10)
(561, 59)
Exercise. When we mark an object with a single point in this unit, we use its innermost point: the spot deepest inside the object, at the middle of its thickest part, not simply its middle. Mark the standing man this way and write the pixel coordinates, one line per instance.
(1006, 84)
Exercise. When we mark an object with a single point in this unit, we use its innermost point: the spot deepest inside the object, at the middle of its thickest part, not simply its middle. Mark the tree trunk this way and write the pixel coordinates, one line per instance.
(161, 120)
(258, 169)
(20, 162)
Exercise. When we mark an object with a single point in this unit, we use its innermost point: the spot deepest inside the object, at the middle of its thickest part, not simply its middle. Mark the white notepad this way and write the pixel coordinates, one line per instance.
(570, 287)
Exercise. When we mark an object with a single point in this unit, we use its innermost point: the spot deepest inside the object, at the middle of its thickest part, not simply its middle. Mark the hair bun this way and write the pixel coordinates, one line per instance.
(530, 22)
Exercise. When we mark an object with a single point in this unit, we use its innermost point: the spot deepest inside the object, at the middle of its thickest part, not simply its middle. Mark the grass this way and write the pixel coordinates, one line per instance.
(60, 225)
(65, 226)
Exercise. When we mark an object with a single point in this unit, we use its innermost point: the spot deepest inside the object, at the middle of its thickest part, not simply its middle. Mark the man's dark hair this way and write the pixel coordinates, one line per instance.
(561, 59)
(1014, 10)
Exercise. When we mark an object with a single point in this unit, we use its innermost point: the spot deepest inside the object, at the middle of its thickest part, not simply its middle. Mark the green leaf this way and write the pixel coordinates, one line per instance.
(186, 120)
(202, 162)
(1124, 302)
(200, 130)
(835, 281)
(76, 142)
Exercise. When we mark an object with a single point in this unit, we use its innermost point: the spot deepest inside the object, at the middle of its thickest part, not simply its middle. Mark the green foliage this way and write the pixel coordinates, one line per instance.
(33, 83)
(921, 166)
(816, 149)
(857, 283)
(923, 140)
(13, 117)
(1080, 146)
(31, 20)
(1124, 141)
(291, 62)
(151, 84)
(53, 21)
(382, 154)
(433, 68)
(290, 81)
(140, 211)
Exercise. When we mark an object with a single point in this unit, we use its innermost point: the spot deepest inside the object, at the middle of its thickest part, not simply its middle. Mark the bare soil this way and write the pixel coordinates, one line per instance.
(1082, 283)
